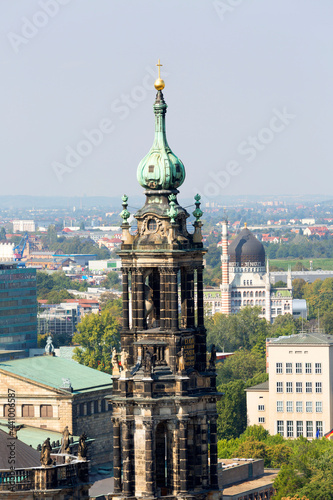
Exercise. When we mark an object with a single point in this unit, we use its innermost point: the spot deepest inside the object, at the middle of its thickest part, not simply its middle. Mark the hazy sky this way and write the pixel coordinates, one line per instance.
(248, 84)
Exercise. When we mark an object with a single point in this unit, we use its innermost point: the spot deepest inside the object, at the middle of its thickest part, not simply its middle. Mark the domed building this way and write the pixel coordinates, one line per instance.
(245, 279)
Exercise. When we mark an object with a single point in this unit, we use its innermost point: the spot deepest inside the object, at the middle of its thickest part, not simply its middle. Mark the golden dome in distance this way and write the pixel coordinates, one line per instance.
(159, 83)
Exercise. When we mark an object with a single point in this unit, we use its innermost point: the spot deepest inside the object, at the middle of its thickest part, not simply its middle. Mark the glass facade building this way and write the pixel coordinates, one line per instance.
(18, 307)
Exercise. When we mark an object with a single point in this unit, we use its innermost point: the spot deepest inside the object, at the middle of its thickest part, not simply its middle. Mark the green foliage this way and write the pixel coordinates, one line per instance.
(55, 282)
(112, 280)
(79, 245)
(285, 324)
(308, 472)
(242, 365)
(280, 284)
(298, 288)
(58, 296)
(231, 409)
(97, 334)
(243, 330)
(3, 236)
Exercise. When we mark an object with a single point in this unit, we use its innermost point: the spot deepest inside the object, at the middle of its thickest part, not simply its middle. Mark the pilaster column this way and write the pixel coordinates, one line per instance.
(125, 299)
(204, 451)
(198, 452)
(140, 298)
(149, 458)
(162, 298)
(200, 298)
(116, 455)
(174, 299)
(128, 478)
(134, 299)
(183, 459)
(213, 453)
(190, 297)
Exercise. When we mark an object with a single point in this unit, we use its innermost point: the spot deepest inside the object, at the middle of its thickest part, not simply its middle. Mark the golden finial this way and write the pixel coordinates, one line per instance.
(245, 225)
(159, 83)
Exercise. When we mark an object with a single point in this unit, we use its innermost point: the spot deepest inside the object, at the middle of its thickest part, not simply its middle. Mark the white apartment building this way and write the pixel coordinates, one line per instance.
(298, 398)
(23, 225)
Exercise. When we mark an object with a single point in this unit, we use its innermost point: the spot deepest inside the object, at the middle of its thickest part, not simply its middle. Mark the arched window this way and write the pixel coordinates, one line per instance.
(251, 294)
(263, 294)
(256, 293)
(251, 302)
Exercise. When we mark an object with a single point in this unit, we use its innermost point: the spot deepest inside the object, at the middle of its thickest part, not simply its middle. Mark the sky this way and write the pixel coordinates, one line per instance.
(248, 85)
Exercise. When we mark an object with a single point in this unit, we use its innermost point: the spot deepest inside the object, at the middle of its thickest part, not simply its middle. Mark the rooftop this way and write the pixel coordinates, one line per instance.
(303, 338)
(51, 370)
(264, 386)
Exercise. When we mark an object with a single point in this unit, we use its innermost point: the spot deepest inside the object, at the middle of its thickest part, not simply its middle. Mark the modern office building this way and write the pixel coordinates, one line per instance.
(59, 319)
(298, 399)
(18, 307)
(24, 225)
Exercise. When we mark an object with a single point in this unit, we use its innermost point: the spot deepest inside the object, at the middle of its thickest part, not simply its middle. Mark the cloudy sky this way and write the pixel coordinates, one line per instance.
(248, 86)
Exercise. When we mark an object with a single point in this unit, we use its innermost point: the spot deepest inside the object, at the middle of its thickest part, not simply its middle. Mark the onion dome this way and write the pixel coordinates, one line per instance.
(246, 250)
(160, 169)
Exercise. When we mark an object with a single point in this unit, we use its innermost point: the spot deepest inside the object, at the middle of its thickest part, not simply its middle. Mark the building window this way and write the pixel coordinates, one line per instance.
(308, 407)
(151, 169)
(318, 368)
(280, 429)
(279, 406)
(319, 429)
(95, 406)
(261, 407)
(319, 406)
(319, 387)
(46, 411)
(89, 408)
(289, 406)
(299, 428)
(290, 428)
(279, 386)
(261, 420)
(81, 409)
(308, 386)
(289, 367)
(152, 225)
(289, 387)
(299, 387)
(28, 411)
(278, 367)
(299, 406)
(298, 367)
(309, 429)
(308, 368)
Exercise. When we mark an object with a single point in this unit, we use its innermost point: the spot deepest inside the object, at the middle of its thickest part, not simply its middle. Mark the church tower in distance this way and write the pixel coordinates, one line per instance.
(164, 395)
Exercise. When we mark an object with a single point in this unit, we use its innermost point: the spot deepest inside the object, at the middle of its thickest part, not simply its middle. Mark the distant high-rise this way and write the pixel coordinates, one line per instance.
(18, 307)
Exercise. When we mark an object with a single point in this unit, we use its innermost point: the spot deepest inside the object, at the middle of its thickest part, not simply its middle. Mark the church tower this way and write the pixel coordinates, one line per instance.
(164, 396)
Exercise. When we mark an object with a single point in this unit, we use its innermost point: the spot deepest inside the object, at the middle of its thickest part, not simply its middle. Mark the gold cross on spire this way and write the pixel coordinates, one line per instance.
(159, 83)
(159, 68)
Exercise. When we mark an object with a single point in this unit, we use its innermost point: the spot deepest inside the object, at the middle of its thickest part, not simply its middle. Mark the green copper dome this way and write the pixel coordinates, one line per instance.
(160, 168)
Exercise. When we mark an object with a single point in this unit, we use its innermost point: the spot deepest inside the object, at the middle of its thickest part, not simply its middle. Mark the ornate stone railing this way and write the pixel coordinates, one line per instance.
(44, 478)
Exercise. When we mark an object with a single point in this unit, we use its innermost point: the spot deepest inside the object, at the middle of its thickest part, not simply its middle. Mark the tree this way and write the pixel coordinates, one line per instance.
(3, 236)
(243, 365)
(82, 226)
(58, 296)
(112, 280)
(308, 472)
(298, 288)
(97, 334)
(280, 284)
(245, 329)
(231, 409)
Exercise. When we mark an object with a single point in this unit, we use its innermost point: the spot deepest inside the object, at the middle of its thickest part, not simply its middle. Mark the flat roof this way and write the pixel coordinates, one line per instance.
(302, 338)
(248, 487)
(51, 370)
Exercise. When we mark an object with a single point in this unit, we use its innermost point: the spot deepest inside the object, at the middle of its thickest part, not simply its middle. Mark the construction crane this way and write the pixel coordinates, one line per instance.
(19, 249)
